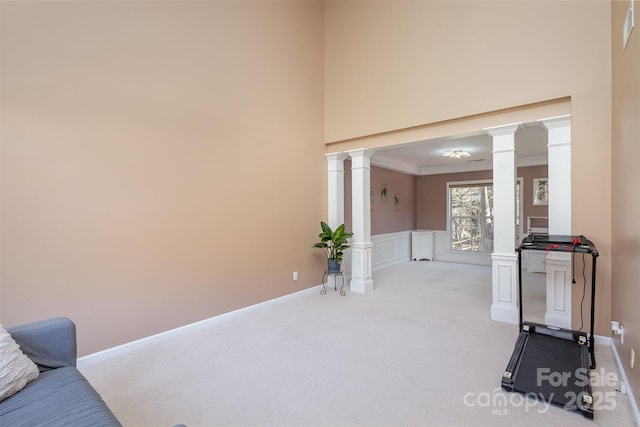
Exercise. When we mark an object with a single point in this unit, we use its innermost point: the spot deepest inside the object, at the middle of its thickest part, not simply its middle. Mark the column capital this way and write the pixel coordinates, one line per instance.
(361, 152)
(336, 156)
(556, 122)
(558, 129)
(508, 129)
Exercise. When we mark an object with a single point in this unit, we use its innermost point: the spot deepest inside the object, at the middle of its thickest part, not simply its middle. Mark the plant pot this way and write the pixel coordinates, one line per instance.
(333, 266)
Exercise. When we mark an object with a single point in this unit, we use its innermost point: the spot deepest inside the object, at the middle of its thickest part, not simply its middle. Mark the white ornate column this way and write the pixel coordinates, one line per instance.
(361, 246)
(335, 190)
(504, 260)
(559, 263)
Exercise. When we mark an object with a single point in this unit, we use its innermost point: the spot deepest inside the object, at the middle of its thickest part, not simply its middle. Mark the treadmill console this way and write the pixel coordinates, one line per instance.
(558, 243)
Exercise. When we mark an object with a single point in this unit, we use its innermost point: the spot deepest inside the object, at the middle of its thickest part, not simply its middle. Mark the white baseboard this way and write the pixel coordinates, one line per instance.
(599, 339)
(116, 351)
(632, 400)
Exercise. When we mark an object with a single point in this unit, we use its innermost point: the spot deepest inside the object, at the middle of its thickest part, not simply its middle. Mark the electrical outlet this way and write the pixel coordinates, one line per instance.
(295, 275)
(633, 358)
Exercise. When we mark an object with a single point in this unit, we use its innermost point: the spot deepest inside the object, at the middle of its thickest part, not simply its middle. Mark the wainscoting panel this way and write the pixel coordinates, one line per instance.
(395, 248)
(391, 248)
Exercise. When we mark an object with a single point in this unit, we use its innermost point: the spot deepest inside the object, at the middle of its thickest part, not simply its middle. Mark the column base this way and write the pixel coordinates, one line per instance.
(558, 321)
(361, 286)
(504, 313)
(504, 307)
(361, 278)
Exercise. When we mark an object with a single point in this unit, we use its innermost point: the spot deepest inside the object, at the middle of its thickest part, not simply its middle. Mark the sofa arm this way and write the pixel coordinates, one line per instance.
(49, 343)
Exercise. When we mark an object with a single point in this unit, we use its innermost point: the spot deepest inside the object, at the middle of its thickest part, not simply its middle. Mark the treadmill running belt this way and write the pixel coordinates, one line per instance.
(550, 368)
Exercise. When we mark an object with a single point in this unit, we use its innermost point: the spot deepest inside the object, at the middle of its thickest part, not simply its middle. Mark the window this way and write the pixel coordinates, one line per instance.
(471, 223)
(471, 217)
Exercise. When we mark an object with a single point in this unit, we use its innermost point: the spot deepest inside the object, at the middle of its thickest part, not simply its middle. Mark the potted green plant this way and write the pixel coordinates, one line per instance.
(334, 244)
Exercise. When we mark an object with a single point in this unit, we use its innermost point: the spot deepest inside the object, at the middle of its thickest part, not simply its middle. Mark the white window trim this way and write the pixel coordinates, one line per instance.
(478, 255)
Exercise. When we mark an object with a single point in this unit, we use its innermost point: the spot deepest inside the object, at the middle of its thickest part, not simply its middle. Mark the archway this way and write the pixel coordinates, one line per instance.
(504, 306)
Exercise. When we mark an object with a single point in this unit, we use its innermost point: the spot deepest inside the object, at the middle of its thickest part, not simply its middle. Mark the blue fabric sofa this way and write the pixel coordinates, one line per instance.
(61, 395)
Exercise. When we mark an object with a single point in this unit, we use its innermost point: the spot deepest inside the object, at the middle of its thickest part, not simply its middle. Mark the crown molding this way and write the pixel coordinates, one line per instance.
(469, 166)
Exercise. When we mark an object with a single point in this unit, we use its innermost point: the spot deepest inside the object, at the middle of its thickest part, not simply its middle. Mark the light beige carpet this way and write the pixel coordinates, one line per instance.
(419, 350)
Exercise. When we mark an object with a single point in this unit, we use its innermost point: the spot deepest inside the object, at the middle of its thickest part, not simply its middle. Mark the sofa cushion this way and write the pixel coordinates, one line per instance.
(59, 397)
(16, 369)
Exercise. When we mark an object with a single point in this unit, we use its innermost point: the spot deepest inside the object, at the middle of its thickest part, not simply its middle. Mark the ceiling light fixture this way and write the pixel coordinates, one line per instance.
(456, 154)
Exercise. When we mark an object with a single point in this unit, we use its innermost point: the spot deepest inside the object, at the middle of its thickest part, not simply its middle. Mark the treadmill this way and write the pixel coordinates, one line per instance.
(551, 363)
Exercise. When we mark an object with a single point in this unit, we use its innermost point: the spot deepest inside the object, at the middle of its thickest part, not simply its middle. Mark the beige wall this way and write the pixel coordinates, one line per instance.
(425, 65)
(625, 182)
(162, 162)
(453, 59)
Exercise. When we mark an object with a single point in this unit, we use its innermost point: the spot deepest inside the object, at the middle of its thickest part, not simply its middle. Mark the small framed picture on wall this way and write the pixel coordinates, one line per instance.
(540, 191)
(384, 193)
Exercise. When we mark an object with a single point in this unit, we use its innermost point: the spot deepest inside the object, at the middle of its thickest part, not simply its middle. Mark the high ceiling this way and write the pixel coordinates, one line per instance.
(425, 157)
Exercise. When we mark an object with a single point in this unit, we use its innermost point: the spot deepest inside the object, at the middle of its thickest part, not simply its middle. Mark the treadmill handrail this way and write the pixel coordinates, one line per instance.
(558, 243)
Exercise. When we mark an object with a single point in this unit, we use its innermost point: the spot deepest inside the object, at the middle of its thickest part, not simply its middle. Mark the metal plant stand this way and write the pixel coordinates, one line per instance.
(335, 283)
